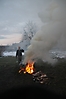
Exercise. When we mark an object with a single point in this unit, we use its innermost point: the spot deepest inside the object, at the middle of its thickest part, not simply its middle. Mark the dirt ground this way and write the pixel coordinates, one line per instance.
(12, 83)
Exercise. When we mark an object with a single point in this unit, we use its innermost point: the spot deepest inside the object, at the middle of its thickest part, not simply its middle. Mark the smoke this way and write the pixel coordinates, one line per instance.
(52, 34)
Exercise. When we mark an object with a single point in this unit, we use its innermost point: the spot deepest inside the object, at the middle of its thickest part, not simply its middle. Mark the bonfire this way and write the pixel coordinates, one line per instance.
(38, 77)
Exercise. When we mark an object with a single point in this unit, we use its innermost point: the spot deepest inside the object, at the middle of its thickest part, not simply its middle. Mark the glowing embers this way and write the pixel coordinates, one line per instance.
(21, 69)
(28, 68)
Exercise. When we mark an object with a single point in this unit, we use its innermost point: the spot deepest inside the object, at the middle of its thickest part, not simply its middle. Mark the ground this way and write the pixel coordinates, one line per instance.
(11, 79)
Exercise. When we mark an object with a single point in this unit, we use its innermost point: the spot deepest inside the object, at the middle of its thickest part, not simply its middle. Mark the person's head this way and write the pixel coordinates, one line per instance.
(18, 47)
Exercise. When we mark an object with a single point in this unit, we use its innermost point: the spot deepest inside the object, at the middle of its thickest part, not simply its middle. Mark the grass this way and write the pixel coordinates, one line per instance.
(10, 78)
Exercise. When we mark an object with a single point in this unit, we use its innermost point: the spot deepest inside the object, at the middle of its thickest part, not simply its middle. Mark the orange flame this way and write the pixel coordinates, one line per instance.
(28, 69)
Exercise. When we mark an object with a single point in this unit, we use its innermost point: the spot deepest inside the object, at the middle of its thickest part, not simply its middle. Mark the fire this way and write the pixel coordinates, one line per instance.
(29, 68)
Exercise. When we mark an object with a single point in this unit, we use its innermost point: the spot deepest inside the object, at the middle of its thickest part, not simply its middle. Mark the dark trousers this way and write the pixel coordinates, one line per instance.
(19, 59)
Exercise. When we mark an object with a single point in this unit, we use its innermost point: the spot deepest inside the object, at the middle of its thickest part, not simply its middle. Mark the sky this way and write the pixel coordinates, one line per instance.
(14, 14)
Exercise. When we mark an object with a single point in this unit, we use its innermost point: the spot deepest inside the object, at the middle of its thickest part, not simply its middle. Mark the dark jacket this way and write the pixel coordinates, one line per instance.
(19, 52)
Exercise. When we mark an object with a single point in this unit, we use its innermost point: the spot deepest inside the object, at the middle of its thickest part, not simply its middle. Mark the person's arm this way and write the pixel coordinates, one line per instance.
(22, 50)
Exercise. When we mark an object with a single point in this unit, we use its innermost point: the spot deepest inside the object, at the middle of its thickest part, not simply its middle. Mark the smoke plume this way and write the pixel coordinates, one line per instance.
(52, 34)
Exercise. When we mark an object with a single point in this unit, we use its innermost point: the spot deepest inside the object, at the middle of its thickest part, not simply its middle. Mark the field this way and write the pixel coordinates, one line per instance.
(10, 78)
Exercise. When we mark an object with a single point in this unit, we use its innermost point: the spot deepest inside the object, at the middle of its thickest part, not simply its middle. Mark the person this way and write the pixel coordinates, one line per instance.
(19, 54)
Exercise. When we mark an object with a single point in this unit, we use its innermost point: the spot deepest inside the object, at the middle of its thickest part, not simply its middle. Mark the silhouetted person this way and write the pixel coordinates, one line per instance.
(19, 54)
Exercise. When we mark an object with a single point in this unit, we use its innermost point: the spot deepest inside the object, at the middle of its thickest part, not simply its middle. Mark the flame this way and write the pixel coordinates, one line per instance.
(29, 68)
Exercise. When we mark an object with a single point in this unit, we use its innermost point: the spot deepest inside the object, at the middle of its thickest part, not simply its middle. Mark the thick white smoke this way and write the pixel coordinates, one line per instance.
(53, 33)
